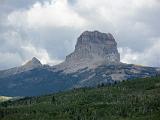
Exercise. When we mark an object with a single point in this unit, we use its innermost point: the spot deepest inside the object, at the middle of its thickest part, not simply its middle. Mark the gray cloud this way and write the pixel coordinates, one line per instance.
(48, 29)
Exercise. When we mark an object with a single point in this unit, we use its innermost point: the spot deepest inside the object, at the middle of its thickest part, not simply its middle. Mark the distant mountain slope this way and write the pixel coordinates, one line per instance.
(138, 99)
(35, 82)
(94, 61)
(45, 80)
(32, 64)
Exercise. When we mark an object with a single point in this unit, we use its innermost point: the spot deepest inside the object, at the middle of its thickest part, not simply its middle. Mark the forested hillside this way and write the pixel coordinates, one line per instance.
(129, 100)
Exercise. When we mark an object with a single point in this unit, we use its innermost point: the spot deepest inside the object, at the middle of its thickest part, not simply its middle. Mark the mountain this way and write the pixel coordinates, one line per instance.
(94, 61)
(138, 99)
(92, 49)
(32, 64)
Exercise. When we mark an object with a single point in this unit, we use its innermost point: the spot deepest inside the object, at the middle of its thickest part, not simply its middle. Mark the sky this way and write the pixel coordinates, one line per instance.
(48, 29)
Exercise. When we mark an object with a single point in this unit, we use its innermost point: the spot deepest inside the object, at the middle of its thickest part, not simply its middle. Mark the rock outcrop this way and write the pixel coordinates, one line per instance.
(92, 49)
(32, 64)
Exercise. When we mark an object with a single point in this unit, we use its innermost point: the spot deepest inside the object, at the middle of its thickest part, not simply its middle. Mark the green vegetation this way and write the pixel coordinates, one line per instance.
(129, 100)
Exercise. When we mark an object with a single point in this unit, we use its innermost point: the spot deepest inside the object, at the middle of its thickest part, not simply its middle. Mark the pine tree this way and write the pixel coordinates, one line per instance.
(53, 99)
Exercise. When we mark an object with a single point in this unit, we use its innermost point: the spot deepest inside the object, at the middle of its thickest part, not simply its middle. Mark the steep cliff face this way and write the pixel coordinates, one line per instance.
(92, 49)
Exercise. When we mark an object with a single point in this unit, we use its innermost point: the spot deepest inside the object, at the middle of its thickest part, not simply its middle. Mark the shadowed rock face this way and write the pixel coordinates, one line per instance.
(92, 49)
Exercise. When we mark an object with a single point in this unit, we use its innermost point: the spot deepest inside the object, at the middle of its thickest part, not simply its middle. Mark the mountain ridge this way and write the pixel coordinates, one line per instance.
(92, 49)
(94, 61)
(31, 64)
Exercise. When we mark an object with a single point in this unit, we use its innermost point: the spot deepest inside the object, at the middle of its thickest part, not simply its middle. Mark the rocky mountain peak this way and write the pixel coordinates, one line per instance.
(92, 49)
(95, 37)
(33, 63)
(35, 60)
(97, 46)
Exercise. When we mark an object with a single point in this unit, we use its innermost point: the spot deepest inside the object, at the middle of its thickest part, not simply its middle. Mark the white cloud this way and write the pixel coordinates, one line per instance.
(133, 23)
(56, 13)
(16, 50)
(128, 55)
(39, 53)
(9, 60)
(111, 11)
(148, 57)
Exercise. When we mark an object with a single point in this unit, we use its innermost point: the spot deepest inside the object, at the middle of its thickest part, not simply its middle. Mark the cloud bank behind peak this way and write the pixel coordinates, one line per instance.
(48, 29)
